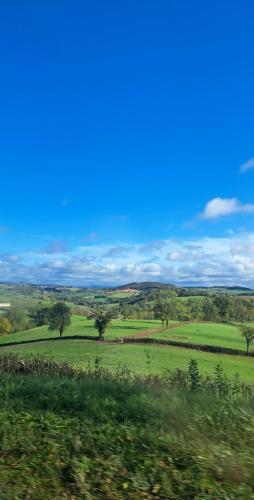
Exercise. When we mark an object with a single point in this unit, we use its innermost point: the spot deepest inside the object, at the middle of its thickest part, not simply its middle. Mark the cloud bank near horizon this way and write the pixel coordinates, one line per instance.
(206, 261)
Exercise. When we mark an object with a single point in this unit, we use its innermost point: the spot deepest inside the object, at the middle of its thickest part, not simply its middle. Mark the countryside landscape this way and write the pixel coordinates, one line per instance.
(165, 356)
(146, 318)
(127, 250)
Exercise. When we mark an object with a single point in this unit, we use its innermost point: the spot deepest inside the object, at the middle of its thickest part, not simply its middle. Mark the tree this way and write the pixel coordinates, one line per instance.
(223, 303)
(18, 319)
(5, 325)
(59, 317)
(182, 311)
(165, 307)
(40, 316)
(103, 318)
(210, 310)
(248, 334)
(240, 310)
(126, 310)
(195, 308)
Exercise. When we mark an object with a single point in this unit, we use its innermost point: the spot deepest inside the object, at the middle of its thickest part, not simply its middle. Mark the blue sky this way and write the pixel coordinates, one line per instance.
(124, 129)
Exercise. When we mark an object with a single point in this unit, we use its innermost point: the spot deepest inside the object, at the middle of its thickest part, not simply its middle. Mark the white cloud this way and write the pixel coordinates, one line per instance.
(248, 165)
(201, 261)
(222, 207)
(154, 245)
(176, 256)
(55, 247)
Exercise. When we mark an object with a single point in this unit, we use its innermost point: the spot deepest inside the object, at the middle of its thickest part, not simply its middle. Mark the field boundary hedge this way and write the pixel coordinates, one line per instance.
(49, 339)
(137, 340)
(187, 345)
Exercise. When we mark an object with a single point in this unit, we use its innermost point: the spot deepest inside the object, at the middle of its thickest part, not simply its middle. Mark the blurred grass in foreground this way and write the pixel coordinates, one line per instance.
(94, 434)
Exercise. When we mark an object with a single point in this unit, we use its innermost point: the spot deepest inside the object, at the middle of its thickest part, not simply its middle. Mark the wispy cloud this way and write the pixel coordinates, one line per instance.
(151, 246)
(203, 261)
(55, 247)
(116, 251)
(248, 165)
(223, 207)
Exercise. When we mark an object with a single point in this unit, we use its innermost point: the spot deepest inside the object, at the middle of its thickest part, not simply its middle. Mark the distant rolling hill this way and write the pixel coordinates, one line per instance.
(146, 286)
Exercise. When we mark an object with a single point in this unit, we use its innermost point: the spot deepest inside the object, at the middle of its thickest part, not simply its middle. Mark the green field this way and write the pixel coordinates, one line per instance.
(206, 333)
(20, 302)
(82, 326)
(80, 352)
(122, 295)
(142, 358)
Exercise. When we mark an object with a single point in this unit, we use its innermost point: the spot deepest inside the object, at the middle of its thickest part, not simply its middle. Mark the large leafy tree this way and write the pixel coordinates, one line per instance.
(165, 307)
(210, 310)
(241, 312)
(224, 303)
(59, 317)
(40, 316)
(103, 317)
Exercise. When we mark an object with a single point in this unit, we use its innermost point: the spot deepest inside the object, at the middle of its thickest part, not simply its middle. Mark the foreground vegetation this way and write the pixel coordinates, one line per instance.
(64, 435)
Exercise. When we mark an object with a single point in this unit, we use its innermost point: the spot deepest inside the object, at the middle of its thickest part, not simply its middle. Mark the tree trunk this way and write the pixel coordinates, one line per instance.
(101, 334)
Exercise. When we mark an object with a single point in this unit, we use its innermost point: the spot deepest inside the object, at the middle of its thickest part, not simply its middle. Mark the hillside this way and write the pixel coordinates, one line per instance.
(146, 286)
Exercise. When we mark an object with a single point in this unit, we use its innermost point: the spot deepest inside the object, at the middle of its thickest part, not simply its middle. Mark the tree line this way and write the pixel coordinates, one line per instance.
(223, 308)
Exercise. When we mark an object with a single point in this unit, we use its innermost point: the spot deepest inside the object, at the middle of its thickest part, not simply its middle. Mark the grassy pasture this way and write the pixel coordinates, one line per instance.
(122, 295)
(82, 326)
(20, 302)
(79, 353)
(217, 334)
(149, 358)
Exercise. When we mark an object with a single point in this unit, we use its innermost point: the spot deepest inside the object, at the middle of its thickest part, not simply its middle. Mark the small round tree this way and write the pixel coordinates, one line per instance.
(59, 317)
(103, 318)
